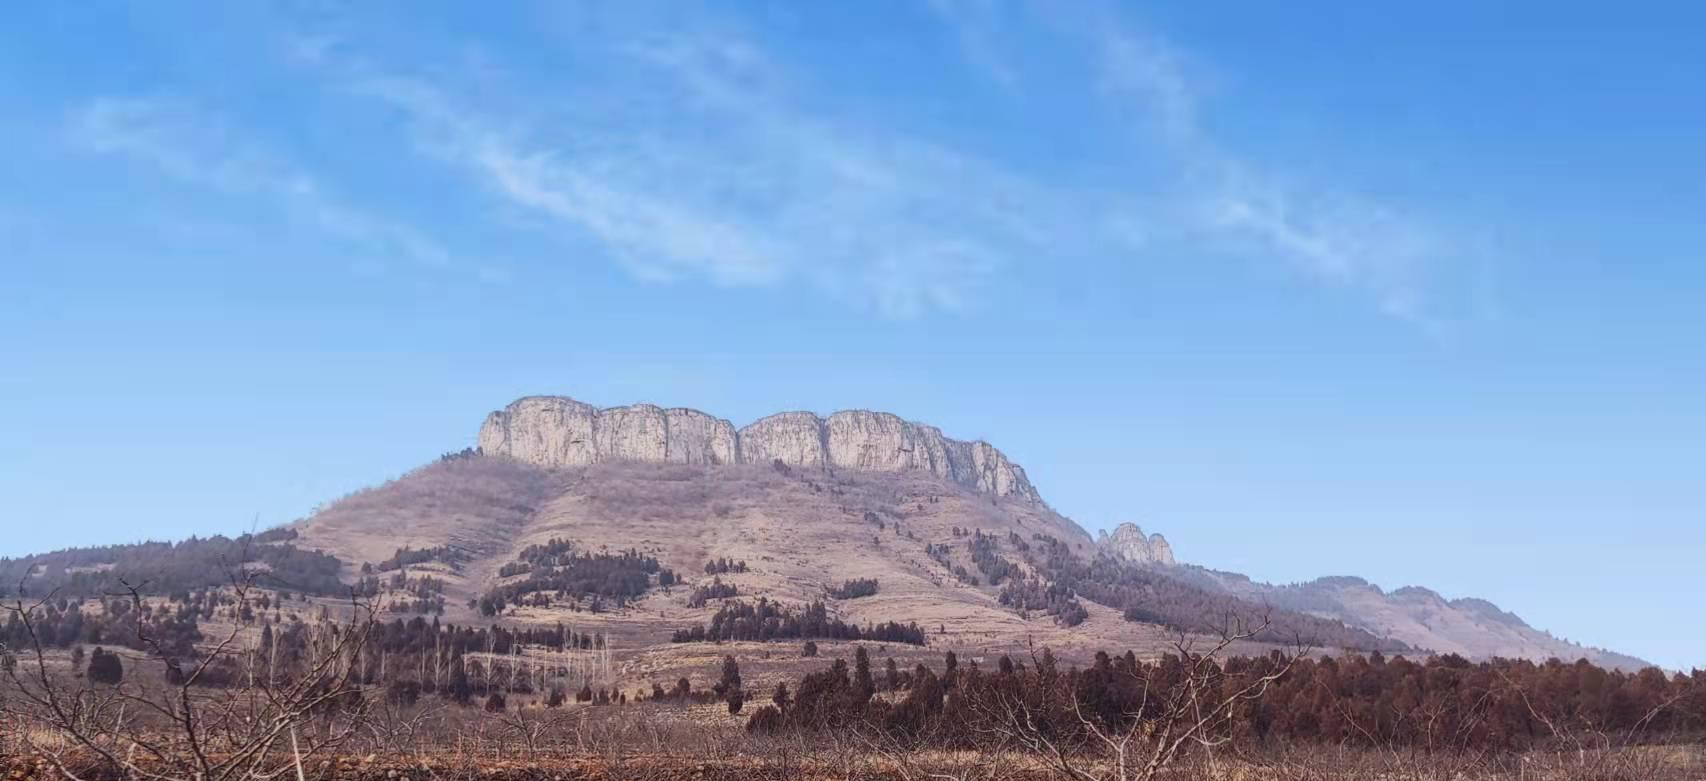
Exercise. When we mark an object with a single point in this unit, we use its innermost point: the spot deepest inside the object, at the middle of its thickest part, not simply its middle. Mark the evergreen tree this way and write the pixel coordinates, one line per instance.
(460, 690)
(105, 668)
(863, 685)
(729, 686)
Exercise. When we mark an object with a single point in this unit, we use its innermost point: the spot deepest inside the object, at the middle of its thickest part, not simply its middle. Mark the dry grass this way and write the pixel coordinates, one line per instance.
(654, 748)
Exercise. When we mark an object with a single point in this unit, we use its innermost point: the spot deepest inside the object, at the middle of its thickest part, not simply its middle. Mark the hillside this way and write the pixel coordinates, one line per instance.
(799, 532)
(1474, 628)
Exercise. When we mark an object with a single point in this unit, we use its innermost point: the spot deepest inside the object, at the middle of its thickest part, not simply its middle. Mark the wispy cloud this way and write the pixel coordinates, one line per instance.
(1337, 237)
(690, 155)
(730, 181)
(196, 146)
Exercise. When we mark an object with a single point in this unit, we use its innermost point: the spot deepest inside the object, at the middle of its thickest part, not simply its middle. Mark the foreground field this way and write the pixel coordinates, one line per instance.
(711, 757)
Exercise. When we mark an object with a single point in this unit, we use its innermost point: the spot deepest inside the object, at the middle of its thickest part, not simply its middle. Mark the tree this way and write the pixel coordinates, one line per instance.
(863, 685)
(460, 690)
(729, 686)
(105, 667)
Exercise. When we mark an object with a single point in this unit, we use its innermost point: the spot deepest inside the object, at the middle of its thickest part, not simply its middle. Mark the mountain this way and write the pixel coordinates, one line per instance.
(645, 525)
(952, 533)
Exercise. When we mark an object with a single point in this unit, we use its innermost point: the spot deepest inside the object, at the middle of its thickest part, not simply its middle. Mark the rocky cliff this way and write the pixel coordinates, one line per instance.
(1129, 542)
(555, 431)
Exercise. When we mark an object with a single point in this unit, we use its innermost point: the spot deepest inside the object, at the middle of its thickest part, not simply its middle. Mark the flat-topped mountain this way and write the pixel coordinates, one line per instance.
(654, 526)
(556, 431)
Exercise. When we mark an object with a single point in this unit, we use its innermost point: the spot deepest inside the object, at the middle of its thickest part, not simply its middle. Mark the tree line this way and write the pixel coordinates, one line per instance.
(158, 568)
(555, 571)
(1441, 703)
(765, 620)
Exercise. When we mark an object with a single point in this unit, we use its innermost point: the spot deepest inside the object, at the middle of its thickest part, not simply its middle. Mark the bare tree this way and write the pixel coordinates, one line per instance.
(262, 723)
(1192, 709)
(1597, 752)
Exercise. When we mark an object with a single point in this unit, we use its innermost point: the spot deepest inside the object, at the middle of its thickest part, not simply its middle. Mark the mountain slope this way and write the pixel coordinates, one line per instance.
(799, 531)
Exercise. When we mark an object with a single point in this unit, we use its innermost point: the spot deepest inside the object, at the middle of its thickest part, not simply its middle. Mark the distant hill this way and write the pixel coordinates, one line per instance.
(1474, 628)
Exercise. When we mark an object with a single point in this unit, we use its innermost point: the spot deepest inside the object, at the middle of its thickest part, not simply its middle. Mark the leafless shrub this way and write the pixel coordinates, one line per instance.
(275, 720)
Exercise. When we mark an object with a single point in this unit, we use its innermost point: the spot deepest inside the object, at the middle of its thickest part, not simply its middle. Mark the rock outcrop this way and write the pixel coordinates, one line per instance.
(1129, 542)
(555, 431)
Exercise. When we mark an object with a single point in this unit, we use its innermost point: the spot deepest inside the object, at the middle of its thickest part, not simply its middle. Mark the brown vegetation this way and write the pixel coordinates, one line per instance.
(352, 697)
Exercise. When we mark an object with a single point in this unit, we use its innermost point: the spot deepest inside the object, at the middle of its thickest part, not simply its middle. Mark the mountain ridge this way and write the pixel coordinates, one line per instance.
(1469, 626)
(559, 431)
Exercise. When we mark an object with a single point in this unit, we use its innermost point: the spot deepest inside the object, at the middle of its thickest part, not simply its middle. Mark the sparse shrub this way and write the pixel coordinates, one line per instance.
(765, 721)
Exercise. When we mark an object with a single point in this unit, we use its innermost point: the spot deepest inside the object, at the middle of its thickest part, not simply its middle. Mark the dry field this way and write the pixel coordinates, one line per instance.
(736, 758)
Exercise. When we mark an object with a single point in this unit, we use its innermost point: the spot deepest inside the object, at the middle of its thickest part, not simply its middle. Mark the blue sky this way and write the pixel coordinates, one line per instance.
(1313, 288)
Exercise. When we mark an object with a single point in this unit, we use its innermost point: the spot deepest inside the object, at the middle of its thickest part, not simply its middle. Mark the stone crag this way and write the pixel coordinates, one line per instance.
(1129, 542)
(556, 431)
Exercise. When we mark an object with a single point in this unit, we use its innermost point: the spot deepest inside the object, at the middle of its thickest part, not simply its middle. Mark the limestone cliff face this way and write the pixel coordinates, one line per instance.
(790, 437)
(557, 432)
(697, 438)
(1129, 542)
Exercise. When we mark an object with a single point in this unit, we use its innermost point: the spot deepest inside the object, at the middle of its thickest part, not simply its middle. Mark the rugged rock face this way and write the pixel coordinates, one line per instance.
(556, 432)
(1129, 541)
(795, 438)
